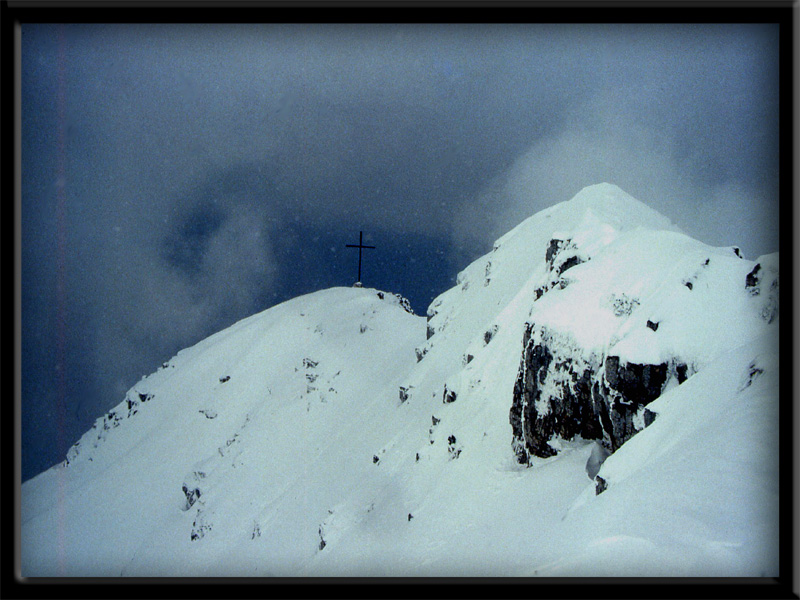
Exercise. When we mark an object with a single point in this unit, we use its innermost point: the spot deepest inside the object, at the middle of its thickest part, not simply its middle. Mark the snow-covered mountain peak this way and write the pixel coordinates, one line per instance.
(608, 201)
(594, 215)
(533, 258)
(339, 434)
(610, 204)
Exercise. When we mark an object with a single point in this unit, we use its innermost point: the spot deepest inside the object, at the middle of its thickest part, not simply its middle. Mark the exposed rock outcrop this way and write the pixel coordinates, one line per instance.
(103, 425)
(405, 393)
(448, 396)
(626, 389)
(553, 396)
(564, 390)
(560, 393)
(561, 255)
(762, 282)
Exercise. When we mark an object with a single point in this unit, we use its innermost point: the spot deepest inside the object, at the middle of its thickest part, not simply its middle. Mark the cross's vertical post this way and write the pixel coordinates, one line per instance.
(359, 246)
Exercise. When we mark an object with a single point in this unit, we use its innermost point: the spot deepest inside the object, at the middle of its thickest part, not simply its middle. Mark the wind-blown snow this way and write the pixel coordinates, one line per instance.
(331, 435)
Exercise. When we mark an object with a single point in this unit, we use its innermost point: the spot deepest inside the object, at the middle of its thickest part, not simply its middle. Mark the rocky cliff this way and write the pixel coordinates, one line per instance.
(605, 345)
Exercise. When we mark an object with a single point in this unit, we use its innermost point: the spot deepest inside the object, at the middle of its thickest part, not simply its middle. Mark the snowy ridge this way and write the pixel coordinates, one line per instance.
(339, 434)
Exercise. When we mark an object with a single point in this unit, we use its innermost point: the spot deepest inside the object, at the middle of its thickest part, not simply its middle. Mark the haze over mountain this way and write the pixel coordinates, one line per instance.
(598, 396)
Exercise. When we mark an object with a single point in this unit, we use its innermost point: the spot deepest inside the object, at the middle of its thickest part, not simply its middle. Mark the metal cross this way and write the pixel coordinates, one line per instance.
(359, 246)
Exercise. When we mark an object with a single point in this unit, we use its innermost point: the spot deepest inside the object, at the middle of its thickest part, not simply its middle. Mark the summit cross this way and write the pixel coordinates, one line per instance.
(359, 246)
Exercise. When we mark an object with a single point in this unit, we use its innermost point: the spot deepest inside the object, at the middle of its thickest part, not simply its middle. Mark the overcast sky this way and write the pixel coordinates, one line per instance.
(198, 174)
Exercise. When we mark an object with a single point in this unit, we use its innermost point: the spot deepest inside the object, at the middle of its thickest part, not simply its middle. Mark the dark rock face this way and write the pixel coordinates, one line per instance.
(133, 401)
(191, 496)
(449, 396)
(561, 255)
(552, 249)
(560, 395)
(103, 426)
(764, 283)
(569, 263)
(529, 435)
(627, 388)
(623, 427)
(751, 281)
(405, 393)
(536, 419)
(405, 304)
(452, 449)
(132, 404)
(635, 383)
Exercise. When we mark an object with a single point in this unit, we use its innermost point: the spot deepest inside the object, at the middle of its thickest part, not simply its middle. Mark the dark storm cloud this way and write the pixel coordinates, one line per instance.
(214, 170)
(683, 118)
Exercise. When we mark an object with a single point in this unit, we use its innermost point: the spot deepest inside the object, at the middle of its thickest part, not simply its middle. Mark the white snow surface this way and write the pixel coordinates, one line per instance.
(318, 436)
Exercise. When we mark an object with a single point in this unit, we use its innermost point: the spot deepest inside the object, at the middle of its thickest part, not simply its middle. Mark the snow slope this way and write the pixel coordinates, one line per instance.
(331, 435)
(696, 493)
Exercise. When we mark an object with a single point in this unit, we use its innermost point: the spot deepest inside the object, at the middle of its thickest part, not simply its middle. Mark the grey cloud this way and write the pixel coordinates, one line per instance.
(200, 154)
(680, 145)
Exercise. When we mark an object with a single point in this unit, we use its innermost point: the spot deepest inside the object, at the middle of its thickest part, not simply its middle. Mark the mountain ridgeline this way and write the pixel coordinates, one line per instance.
(645, 316)
(340, 434)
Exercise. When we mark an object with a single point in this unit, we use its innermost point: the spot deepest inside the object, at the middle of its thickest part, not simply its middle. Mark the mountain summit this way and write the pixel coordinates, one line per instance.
(597, 396)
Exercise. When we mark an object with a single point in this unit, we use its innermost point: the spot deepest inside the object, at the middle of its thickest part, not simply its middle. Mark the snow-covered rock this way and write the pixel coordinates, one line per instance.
(646, 312)
(338, 434)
